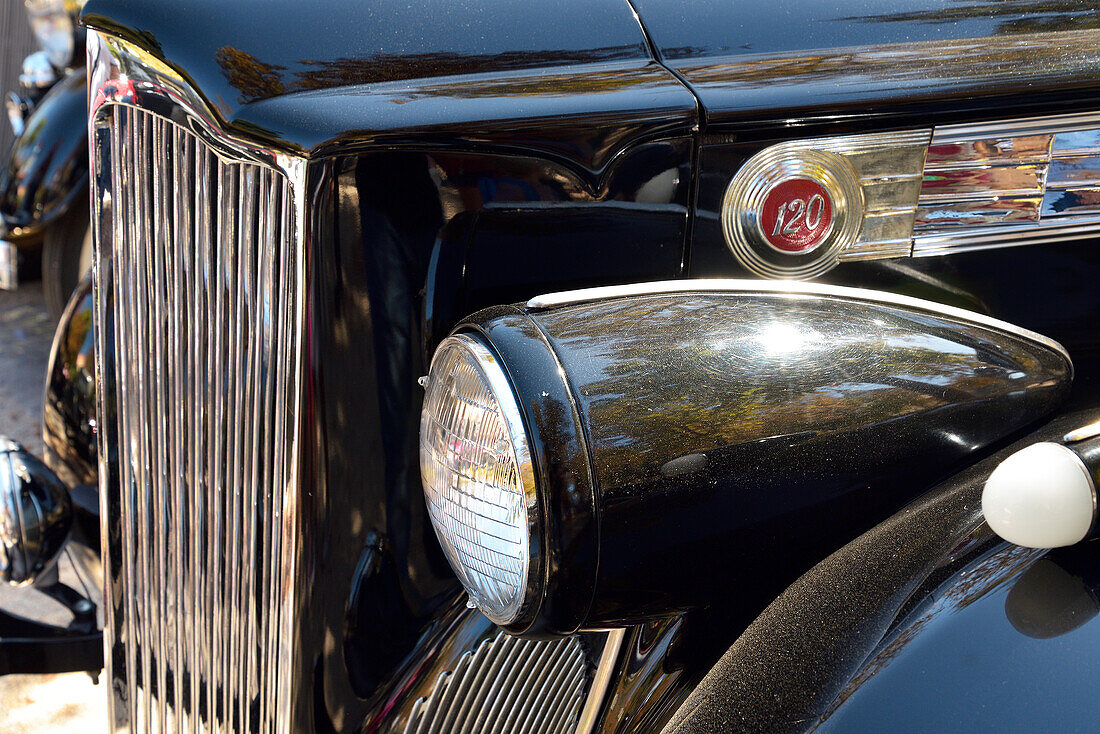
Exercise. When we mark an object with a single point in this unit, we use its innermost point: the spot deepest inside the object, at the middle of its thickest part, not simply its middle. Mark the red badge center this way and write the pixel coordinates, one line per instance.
(797, 215)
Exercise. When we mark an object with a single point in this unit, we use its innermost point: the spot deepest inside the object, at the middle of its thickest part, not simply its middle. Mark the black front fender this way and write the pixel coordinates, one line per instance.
(929, 622)
(48, 165)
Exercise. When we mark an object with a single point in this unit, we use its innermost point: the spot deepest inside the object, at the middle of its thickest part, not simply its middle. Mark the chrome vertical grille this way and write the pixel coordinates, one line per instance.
(507, 685)
(205, 284)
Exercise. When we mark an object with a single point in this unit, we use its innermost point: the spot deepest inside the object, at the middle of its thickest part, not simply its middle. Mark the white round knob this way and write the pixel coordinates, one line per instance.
(1040, 497)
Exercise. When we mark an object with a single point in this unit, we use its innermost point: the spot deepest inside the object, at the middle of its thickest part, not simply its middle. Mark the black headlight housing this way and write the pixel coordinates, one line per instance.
(695, 440)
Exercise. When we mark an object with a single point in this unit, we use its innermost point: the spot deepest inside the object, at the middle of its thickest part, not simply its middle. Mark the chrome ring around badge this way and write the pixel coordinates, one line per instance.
(790, 212)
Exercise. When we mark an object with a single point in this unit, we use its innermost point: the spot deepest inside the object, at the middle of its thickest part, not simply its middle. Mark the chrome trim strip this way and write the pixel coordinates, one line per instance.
(1053, 145)
(1080, 434)
(1029, 233)
(601, 682)
(785, 287)
(1017, 127)
(1007, 150)
(982, 186)
(859, 145)
(988, 213)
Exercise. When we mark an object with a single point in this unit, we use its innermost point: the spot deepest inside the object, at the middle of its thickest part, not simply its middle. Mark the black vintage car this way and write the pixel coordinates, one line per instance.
(44, 227)
(594, 366)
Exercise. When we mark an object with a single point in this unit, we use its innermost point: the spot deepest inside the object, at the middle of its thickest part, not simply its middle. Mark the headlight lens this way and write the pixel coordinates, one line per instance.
(479, 483)
(53, 27)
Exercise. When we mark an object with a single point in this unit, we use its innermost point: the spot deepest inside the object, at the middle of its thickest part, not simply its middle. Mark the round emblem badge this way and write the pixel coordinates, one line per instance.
(790, 212)
(797, 215)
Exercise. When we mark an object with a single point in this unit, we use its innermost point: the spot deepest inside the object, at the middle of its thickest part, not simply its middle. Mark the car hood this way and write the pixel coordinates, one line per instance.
(792, 60)
(859, 59)
(236, 55)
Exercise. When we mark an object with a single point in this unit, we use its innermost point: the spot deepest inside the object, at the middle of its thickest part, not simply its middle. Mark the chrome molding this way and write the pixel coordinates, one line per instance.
(1080, 434)
(874, 180)
(794, 288)
(506, 684)
(889, 169)
(1021, 126)
(200, 293)
(954, 188)
(601, 683)
(1010, 183)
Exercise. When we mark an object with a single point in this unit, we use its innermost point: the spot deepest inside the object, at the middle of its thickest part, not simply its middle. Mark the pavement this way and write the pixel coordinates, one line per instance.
(68, 702)
(26, 332)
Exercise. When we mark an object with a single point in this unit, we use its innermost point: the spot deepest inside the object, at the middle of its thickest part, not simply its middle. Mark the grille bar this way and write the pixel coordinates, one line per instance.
(206, 292)
(506, 685)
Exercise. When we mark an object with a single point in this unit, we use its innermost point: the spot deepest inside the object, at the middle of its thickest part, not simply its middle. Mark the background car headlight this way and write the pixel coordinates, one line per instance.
(35, 515)
(53, 27)
(478, 478)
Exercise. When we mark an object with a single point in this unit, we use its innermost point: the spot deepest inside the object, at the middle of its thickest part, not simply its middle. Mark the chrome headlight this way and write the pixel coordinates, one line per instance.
(479, 483)
(53, 27)
(35, 515)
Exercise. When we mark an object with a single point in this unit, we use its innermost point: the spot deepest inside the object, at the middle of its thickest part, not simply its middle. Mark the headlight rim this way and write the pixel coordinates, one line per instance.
(495, 372)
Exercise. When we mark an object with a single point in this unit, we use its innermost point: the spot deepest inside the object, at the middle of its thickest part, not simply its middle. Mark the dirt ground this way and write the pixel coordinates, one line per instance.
(36, 703)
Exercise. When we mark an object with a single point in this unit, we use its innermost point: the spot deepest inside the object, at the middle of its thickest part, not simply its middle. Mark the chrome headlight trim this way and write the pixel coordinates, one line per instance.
(493, 371)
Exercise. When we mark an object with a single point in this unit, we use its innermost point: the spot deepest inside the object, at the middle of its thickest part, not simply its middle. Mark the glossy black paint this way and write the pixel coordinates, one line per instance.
(462, 72)
(582, 115)
(866, 61)
(926, 585)
(712, 28)
(1057, 594)
(1046, 288)
(866, 66)
(651, 679)
(27, 646)
(48, 165)
(295, 48)
(429, 227)
(966, 650)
